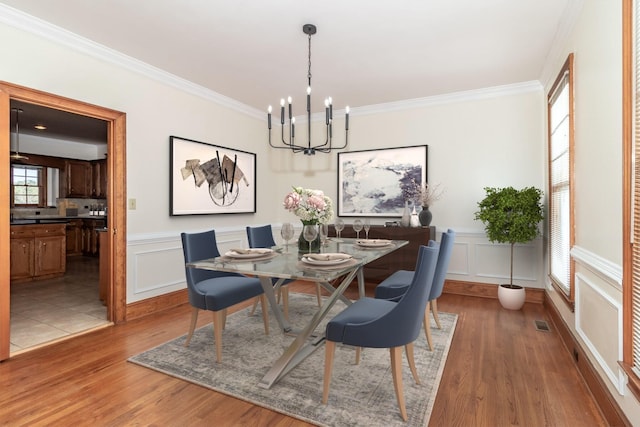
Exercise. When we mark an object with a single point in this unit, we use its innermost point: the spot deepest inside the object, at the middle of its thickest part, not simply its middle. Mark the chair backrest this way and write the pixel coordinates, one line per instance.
(403, 323)
(260, 237)
(446, 247)
(198, 246)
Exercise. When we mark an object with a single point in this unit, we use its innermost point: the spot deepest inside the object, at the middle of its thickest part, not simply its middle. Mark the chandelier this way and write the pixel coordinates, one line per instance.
(17, 155)
(290, 142)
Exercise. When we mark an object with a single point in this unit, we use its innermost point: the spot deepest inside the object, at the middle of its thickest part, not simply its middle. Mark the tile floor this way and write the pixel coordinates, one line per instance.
(47, 310)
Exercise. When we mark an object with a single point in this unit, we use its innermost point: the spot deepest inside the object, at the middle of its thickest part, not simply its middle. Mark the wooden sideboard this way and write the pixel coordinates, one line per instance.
(400, 259)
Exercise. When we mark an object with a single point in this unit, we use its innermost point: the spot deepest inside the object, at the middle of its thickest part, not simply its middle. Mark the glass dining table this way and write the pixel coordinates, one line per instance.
(285, 263)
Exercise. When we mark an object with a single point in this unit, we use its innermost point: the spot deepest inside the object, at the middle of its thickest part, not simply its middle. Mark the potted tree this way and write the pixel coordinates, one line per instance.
(511, 216)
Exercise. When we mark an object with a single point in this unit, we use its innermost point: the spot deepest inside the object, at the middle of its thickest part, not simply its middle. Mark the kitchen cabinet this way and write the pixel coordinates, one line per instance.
(403, 258)
(38, 251)
(99, 179)
(74, 237)
(90, 238)
(78, 178)
(105, 268)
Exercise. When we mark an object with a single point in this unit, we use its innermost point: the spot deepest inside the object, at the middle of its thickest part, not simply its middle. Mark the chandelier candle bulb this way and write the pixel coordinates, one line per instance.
(346, 118)
(293, 128)
(269, 116)
(330, 108)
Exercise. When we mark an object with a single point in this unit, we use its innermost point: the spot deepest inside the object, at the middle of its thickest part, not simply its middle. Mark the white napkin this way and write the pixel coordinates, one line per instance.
(373, 241)
(257, 251)
(328, 256)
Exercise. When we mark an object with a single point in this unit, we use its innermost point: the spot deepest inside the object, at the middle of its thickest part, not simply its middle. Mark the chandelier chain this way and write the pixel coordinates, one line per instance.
(309, 71)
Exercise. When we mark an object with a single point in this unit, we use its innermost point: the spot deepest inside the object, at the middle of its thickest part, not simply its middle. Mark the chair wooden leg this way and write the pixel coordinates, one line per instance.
(285, 301)
(358, 350)
(218, 320)
(255, 305)
(396, 371)
(434, 310)
(412, 362)
(265, 313)
(330, 350)
(192, 326)
(427, 327)
(224, 318)
(319, 294)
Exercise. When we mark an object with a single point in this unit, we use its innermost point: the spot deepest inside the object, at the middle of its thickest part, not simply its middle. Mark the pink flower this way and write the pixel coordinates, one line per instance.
(291, 201)
(317, 202)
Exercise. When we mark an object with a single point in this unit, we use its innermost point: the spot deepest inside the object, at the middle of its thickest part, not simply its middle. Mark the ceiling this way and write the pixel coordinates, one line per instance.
(366, 52)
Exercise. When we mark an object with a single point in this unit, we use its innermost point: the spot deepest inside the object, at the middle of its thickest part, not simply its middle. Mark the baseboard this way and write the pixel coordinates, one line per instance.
(607, 404)
(486, 290)
(152, 305)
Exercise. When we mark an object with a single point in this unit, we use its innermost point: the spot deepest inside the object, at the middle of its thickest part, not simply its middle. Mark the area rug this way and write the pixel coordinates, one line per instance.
(360, 395)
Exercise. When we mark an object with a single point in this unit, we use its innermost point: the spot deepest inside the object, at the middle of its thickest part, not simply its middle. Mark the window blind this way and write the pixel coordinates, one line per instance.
(559, 176)
(635, 298)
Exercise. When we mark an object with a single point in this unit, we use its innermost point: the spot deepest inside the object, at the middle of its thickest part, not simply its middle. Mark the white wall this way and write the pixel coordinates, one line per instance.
(596, 41)
(484, 138)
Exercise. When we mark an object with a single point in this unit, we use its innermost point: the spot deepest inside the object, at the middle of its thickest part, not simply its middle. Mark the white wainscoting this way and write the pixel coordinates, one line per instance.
(599, 312)
(155, 265)
(596, 315)
(476, 259)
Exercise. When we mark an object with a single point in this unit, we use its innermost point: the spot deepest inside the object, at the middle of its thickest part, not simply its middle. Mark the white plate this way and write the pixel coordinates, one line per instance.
(312, 261)
(373, 243)
(233, 254)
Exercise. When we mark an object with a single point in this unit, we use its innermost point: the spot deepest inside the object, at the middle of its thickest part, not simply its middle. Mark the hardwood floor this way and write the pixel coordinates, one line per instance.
(500, 371)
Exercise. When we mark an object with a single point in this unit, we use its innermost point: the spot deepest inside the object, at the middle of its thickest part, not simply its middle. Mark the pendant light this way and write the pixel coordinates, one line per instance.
(17, 155)
(290, 143)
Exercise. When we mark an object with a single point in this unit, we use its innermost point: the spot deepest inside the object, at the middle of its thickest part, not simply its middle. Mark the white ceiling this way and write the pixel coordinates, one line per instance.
(366, 52)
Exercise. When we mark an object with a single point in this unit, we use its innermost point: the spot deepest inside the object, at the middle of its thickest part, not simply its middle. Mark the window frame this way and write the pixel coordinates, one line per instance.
(42, 186)
(630, 110)
(568, 71)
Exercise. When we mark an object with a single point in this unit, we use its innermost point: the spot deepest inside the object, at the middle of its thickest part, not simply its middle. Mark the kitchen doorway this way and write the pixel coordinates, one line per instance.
(116, 199)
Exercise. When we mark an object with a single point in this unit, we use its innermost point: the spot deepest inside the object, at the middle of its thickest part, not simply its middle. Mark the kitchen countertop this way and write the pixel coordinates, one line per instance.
(52, 219)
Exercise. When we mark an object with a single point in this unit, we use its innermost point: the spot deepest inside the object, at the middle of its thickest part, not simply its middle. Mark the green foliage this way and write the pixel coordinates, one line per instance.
(510, 215)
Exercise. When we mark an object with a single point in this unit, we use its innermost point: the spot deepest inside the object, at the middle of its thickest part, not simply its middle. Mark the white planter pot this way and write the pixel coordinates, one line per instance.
(511, 298)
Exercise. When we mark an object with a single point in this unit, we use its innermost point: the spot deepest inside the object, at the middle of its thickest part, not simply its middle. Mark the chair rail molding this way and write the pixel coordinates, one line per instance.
(605, 269)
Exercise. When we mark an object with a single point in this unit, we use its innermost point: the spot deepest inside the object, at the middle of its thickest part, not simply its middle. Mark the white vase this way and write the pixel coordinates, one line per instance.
(414, 221)
(511, 298)
(405, 221)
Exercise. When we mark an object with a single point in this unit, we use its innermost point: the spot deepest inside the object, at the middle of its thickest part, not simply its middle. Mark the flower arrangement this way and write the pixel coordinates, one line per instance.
(311, 206)
(430, 194)
(426, 195)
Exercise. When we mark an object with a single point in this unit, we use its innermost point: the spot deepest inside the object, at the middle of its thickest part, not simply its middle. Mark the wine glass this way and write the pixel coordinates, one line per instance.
(310, 232)
(339, 225)
(357, 227)
(287, 233)
(367, 226)
(324, 233)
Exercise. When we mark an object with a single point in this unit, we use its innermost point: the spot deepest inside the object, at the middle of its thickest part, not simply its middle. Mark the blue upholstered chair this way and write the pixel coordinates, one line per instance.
(215, 290)
(262, 237)
(378, 323)
(394, 286)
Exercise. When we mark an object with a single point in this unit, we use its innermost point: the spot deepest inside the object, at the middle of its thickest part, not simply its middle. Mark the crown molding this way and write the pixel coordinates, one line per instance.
(28, 23)
(450, 98)
(557, 54)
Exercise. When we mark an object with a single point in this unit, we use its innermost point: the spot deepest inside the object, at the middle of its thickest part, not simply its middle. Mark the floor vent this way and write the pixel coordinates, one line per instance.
(542, 325)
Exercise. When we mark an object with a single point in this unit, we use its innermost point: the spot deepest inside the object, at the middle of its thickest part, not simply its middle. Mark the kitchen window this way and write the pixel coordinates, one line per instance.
(27, 186)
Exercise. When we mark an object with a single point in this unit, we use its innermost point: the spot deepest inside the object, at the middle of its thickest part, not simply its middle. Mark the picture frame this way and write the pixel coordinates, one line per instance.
(371, 182)
(208, 179)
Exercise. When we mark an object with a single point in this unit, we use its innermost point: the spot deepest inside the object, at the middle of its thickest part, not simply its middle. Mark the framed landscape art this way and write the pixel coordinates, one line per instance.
(371, 182)
(210, 179)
